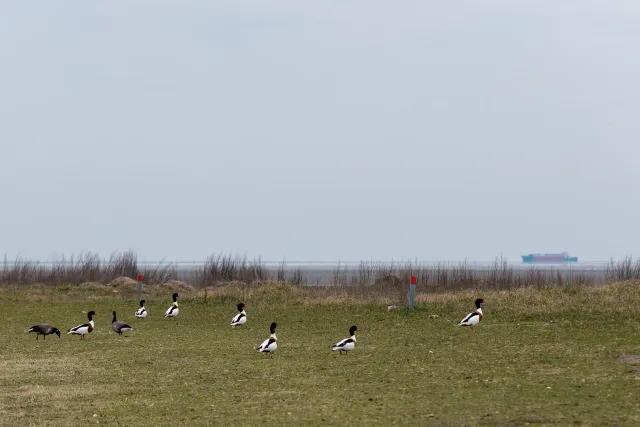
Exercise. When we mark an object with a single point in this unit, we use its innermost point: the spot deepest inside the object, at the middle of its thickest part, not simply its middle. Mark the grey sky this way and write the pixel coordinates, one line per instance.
(328, 130)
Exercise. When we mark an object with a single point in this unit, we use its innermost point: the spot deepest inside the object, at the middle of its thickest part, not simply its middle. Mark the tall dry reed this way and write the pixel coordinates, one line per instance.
(368, 277)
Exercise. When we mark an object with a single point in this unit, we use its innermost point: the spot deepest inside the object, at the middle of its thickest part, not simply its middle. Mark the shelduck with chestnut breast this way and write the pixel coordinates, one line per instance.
(118, 326)
(475, 317)
(347, 343)
(241, 317)
(85, 328)
(269, 345)
(141, 313)
(173, 311)
(44, 329)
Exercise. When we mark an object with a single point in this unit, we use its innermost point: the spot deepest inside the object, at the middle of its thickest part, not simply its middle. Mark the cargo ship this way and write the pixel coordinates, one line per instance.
(560, 258)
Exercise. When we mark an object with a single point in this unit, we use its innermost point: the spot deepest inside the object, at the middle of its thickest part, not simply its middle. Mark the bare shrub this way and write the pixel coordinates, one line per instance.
(340, 276)
(225, 268)
(281, 274)
(297, 277)
(622, 270)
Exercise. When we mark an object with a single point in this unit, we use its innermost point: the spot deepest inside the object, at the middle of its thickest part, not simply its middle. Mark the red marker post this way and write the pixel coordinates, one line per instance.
(412, 292)
(140, 277)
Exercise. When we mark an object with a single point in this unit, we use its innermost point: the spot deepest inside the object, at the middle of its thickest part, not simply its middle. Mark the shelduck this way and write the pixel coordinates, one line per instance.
(44, 329)
(241, 317)
(118, 326)
(173, 311)
(85, 328)
(347, 343)
(472, 319)
(142, 312)
(269, 345)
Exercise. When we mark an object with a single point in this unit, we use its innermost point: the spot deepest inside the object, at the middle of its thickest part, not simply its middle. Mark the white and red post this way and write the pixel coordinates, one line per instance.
(412, 292)
(140, 285)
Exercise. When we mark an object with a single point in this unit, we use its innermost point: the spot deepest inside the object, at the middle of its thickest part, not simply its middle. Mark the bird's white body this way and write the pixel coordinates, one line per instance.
(345, 344)
(239, 319)
(83, 329)
(172, 311)
(471, 319)
(269, 345)
(141, 313)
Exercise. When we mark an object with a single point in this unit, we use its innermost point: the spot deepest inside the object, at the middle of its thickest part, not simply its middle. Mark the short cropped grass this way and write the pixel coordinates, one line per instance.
(540, 356)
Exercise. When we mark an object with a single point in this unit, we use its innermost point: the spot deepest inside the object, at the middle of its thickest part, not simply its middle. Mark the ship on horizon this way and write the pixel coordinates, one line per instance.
(559, 258)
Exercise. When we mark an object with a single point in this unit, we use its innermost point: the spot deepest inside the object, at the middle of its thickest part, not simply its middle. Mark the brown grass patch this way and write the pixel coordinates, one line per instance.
(629, 359)
(93, 286)
(621, 297)
(50, 393)
(123, 282)
(51, 367)
(617, 297)
(550, 370)
(177, 286)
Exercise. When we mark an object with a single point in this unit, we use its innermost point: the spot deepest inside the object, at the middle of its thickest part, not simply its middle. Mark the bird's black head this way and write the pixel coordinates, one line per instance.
(142, 303)
(175, 296)
(91, 314)
(56, 331)
(241, 306)
(114, 316)
(478, 302)
(273, 327)
(353, 329)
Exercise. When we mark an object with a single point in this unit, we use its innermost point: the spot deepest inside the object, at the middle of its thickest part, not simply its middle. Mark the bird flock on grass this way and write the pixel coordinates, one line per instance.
(268, 346)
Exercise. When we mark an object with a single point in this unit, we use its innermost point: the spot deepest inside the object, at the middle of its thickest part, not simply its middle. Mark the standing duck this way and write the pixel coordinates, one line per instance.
(241, 317)
(118, 326)
(85, 328)
(475, 317)
(269, 345)
(347, 343)
(173, 311)
(141, 313)
(44, 329)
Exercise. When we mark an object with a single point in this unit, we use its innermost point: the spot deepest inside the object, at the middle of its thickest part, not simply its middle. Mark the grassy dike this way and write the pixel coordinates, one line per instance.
(544, 356)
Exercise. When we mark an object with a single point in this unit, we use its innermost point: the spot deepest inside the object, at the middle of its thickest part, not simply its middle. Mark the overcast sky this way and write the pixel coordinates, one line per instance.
(326, 130)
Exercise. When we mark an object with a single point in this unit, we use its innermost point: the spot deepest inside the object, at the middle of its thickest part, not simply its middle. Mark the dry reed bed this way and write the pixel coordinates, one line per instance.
(613, 297)
(220, 269)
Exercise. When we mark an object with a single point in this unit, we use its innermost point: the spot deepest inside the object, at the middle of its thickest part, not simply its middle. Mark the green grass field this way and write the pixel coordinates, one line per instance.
(540, 357)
